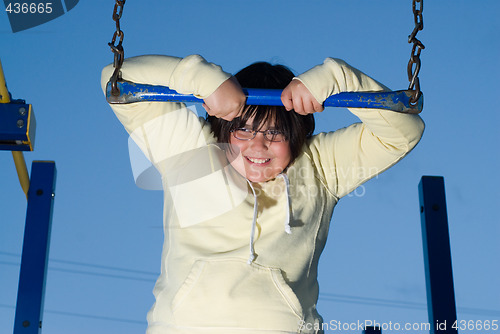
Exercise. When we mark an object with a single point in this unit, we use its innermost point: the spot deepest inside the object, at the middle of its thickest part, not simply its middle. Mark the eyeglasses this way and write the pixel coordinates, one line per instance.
(247, 134)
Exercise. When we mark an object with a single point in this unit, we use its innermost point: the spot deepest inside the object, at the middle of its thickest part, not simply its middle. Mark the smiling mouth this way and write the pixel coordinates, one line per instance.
(258, 161)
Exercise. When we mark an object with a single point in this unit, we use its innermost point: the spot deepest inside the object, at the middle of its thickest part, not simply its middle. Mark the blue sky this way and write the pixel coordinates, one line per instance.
(107, 235)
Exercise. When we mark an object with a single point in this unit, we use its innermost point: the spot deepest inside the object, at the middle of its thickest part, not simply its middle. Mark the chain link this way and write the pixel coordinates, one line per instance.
(414, 63)
(117, 49)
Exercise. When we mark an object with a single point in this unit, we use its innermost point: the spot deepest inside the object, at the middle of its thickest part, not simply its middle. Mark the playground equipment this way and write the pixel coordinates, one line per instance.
(408, 101)
(17, 131)
(17, 134)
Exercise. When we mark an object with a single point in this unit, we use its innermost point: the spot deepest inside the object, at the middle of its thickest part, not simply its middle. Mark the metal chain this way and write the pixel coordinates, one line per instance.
(117, 49)
(414, 63)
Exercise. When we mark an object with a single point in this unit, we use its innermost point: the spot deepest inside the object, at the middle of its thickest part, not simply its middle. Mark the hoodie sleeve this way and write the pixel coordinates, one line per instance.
(350, 156)
(163, 129)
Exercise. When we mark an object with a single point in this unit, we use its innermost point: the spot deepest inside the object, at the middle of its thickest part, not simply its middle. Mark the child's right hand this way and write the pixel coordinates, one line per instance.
(227, 102)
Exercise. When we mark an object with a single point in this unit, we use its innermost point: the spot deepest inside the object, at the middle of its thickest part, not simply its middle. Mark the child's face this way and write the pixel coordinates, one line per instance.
(258, 159)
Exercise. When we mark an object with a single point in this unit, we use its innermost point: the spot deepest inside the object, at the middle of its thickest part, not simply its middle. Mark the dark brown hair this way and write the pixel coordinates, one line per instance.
(296, 128)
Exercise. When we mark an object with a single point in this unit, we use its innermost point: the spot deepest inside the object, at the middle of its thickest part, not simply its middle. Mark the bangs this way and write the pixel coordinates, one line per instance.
(263, 115)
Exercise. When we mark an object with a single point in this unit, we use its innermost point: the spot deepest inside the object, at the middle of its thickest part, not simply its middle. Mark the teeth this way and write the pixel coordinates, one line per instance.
(258, 161)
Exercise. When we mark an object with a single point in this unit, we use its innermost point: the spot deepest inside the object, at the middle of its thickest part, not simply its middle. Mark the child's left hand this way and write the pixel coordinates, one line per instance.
(296, 96)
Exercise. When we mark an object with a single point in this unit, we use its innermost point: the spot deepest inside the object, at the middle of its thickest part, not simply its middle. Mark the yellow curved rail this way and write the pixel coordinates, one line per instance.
(19, 162)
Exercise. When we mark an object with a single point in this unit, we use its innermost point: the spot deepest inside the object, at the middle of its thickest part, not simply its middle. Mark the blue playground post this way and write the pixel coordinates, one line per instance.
(31, 291)
(437, 256)
(372, 330)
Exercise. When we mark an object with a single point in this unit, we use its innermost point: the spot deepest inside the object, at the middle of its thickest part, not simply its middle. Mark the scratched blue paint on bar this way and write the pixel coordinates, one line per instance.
(397, 101)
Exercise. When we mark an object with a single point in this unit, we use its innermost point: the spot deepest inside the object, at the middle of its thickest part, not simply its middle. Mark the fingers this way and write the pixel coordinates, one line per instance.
(298, 105)
(316, 106)
(232, 115)
(228, 115)
(227, 102)
(296, 96)
(303, 106)
(286, 98)
(207, 109)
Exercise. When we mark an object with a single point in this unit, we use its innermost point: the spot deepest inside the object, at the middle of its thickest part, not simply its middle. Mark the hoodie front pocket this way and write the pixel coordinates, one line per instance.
(231, 293)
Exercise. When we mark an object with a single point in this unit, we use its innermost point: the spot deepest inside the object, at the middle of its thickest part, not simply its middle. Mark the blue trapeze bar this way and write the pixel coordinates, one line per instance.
(399, 101)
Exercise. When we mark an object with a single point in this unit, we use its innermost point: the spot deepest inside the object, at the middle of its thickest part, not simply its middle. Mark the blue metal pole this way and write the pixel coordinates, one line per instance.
(31, 291)
(372, 330)
(437, 256)
(399, 101)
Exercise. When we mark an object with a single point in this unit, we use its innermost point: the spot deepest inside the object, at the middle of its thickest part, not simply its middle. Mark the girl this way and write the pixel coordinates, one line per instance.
(249, 191)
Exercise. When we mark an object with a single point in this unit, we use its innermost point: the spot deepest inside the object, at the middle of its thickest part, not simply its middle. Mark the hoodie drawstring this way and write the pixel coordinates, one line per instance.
(254, 223)
(287, 209)
(288, 230)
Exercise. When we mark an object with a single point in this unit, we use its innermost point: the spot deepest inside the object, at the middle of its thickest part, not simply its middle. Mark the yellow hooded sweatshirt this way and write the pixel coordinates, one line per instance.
(242, 257)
